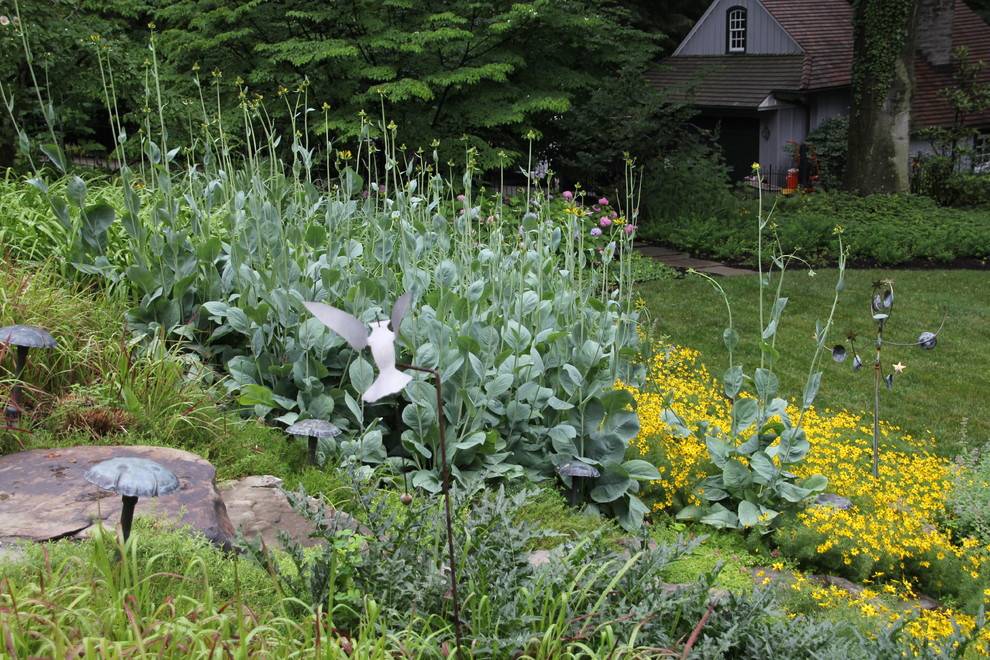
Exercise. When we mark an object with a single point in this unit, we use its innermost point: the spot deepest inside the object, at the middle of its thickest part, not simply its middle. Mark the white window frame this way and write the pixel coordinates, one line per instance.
(981, 153)
(735, 25)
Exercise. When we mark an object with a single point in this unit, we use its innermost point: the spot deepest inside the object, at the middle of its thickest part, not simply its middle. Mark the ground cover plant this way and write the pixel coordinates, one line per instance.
(173, 595)
(880, 230)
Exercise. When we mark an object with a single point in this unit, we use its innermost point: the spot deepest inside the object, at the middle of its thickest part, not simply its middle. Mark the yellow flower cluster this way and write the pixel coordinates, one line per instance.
(893, 521)
(890, 604)
(676, 380)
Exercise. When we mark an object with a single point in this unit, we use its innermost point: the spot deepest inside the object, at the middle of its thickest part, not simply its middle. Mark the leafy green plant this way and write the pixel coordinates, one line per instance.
(752, 484)
(969, 501)
(829, 142)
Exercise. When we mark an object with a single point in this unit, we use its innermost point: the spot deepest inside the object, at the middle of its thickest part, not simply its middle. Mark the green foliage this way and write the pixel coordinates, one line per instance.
(487, 71)
(968, 95)
(830, 144)
(751, 482)
(969, 502)
(881, 28)
(547, 509)
(882, 230)
(936, 177)
(62, 38)
(682, 186)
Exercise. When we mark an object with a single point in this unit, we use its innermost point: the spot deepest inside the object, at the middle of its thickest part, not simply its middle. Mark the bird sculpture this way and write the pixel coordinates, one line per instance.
(381, 339)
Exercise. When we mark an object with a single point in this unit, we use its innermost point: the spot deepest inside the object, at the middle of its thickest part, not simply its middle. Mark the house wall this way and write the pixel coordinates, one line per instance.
(785, 124)
(826, 105)
(764, 36)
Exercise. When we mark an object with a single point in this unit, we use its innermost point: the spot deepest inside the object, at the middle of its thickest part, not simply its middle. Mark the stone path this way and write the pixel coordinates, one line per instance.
(683, 261)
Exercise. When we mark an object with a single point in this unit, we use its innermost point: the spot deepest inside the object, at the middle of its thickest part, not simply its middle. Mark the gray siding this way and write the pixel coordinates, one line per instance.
(784, 124)
(764, 36)
(825, 105)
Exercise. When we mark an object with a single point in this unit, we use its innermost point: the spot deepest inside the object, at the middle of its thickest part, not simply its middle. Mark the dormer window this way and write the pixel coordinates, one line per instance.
(735, 36)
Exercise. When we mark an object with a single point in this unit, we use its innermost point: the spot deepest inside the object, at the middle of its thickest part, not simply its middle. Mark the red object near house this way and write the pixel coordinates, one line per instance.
(792, 180)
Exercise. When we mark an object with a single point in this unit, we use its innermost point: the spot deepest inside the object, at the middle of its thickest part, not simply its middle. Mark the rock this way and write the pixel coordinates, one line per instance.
(258, 507)
(11, 552)
(833, 500)
(44, 497)
(538, 558)
(848, 586)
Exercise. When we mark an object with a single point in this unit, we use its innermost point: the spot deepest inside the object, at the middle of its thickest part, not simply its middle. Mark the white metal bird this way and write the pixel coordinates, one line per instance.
(381, 340)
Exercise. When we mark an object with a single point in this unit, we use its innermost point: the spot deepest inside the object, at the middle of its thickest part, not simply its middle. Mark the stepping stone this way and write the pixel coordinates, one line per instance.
(726, 271)
(44, 497)
(689, 262)
(259, 509)
(658, 252)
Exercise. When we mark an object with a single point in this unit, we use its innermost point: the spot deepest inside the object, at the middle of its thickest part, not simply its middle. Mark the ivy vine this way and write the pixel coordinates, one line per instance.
(881, 28)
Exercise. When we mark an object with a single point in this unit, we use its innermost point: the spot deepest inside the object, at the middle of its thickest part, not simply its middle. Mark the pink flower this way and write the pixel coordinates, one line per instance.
(605, 222)
(603, 201)
(568, 195)
(460, 198)
(613, 215)
(629, 229)
(595, 231)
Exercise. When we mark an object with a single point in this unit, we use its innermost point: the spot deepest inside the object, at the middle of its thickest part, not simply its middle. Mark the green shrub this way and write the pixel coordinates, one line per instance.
(830, 146)
(881, 230)
(969, 502)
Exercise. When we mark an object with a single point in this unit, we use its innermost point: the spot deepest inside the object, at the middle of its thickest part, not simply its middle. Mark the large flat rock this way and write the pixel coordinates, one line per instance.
(260, 510)
(43, 495)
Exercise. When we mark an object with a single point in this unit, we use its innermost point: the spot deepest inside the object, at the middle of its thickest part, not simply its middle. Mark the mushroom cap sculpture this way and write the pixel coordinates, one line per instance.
(24, 337)
(131, 478)
(313, 429)
(576, 470)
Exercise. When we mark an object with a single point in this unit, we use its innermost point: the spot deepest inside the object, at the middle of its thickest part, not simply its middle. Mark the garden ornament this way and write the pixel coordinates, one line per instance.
(24, 337)
(881, 307)
(131, 478)
(381, 340)
(577, 470)
(391, 380)
(314, 429)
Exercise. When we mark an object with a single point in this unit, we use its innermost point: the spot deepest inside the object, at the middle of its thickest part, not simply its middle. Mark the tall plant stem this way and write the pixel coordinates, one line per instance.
(445, 483)
(877, 377)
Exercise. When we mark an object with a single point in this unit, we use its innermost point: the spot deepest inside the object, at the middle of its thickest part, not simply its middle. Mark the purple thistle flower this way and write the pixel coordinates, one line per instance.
(595, 231)
(603, 201)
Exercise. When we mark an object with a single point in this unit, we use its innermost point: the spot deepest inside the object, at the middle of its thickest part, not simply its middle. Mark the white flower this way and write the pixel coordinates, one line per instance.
(4, 21)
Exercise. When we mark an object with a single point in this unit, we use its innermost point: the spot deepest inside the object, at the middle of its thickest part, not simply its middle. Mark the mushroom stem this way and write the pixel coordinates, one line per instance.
(13, 409)
(312, 451)
(127, 515)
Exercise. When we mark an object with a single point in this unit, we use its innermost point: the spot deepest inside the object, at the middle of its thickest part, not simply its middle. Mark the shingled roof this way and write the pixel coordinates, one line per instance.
(823, 29)
(729, 81)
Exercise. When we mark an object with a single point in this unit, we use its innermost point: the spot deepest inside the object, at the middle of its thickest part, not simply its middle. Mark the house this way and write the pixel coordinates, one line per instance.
(767, 72)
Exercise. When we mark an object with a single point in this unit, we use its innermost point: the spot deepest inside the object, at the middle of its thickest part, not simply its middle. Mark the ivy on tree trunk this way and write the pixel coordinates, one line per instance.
(884, 33)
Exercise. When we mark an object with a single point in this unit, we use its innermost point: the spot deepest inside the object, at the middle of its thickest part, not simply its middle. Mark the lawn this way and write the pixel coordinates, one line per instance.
(943, 392)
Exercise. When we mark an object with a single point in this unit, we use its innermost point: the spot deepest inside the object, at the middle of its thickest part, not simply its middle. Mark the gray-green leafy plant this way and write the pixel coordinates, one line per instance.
(223, 247)
(752, 479)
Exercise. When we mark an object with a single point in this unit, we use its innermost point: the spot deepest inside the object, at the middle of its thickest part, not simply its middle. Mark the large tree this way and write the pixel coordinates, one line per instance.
(884, 34)
(59, 38)
(468, 72)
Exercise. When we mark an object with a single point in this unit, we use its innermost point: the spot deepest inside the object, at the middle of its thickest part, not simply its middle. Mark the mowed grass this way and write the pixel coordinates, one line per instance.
(945, 392)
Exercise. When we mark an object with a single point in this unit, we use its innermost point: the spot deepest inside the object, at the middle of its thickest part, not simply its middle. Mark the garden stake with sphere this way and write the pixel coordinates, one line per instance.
(881, 307)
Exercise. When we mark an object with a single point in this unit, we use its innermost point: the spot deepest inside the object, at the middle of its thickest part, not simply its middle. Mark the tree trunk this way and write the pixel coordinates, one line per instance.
(884, 33)
(8, 142)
